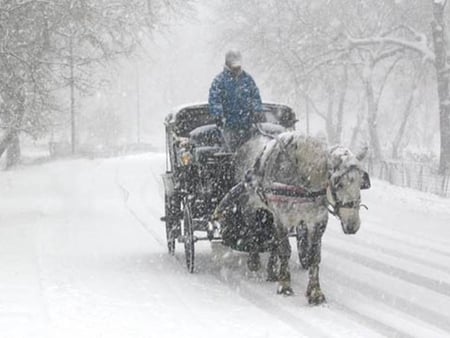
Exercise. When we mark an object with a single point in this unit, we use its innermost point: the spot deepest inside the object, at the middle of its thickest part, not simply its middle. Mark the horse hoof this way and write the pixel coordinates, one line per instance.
(285, 290)
(316, 299)
(272, 278)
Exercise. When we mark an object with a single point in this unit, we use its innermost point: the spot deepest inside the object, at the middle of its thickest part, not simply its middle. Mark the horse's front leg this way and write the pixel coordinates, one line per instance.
(272, 264)
(284, 253)
(313, 292)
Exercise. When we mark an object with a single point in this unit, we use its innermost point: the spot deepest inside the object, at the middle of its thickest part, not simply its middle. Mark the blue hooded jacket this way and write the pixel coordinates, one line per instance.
(234, 97)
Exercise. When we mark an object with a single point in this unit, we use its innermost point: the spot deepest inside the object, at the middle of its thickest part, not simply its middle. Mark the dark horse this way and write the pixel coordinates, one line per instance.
(299, 180)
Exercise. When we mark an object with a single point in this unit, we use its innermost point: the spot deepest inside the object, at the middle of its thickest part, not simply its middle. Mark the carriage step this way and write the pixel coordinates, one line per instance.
(180, 239)
(175, 217)
(213, 239)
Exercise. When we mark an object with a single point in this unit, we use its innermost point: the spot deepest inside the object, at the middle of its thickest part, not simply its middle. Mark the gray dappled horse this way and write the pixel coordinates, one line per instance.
(297, 179)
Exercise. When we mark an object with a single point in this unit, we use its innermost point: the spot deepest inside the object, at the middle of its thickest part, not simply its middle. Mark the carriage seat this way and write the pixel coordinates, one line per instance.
(271, 128)
(205, 154)
(208, 135)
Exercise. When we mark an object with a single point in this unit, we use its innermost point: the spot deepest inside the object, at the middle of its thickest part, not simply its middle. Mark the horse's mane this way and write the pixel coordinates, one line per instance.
(340, 159)
(295, 159)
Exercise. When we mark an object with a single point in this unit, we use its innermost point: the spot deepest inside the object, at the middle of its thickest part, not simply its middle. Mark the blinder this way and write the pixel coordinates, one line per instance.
(365, 184)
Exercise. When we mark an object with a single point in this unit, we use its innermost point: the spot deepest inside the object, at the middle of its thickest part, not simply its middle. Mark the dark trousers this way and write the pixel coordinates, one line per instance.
(234, 138)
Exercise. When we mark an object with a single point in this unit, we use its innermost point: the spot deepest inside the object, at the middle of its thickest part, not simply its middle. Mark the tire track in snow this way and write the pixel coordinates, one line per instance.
(363, 243)
(390, 321)
(432, 317)
(156, 237)
(370, 321)
(417, 243)
(268, 306)
(408, 276)
(273, 309)
(126, 196)
(283, 309)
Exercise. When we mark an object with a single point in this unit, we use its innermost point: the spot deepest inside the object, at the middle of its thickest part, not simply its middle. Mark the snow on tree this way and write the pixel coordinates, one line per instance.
(48, 45)
(326, 57)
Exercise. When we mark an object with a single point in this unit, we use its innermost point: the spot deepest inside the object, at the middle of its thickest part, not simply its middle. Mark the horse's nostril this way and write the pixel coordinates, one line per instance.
(350, 229)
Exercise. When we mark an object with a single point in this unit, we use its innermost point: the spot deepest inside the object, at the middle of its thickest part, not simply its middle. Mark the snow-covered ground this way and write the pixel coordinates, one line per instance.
(83, 254)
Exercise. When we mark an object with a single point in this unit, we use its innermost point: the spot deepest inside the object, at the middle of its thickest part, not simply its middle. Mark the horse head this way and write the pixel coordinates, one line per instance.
(346, 179)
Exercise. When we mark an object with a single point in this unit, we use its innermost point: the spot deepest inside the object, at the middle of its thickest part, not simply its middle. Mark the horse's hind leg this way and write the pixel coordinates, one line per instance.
(251, 224)
(272, 264)
(313, 291)
(302, 246)
(254, 261)
(284, 252)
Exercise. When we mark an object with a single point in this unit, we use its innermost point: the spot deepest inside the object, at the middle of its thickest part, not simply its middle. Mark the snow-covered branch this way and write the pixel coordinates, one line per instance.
(420, 46)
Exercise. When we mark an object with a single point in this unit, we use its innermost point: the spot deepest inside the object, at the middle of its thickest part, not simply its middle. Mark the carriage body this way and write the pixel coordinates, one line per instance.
(200, 172)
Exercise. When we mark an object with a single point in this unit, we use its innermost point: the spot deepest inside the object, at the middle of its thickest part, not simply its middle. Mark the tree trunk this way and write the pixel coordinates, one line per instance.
(356, 131)
(405, 117)
(340, 112)
(72, 98)
(10, 140)
(442, 76)
(372, 120)
(5, 141)
(307, 117)
(13, 151)
(329, 123)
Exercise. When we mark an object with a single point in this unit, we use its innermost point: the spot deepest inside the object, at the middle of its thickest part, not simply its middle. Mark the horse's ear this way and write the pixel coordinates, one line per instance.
(365, 184)
(362, 153)
(334, 161)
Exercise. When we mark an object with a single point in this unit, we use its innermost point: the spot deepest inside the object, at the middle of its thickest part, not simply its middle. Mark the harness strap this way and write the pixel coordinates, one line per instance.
(281, 144)
(294, 191)
(260, 167)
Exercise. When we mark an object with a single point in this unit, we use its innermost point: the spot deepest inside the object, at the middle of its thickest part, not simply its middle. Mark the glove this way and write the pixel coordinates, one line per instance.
(257, 117)
(219, 122)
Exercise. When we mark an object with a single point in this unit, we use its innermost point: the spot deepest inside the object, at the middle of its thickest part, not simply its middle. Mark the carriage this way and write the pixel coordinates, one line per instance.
(200, 171)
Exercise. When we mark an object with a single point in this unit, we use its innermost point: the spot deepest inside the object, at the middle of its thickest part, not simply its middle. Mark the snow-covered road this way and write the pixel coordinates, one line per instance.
(83, 254)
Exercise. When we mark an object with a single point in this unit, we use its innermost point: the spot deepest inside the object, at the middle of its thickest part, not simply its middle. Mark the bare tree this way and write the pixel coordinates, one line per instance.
(442, 76)
(88, 34)
(24, 79)
(406, 113)
(304, 45)
(45, 45)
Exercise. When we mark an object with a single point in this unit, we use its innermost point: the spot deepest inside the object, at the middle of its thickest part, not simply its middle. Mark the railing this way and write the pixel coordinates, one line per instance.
(415, 175)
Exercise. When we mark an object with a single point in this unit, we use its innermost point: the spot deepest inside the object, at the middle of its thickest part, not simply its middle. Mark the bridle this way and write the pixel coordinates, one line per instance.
(334, 205)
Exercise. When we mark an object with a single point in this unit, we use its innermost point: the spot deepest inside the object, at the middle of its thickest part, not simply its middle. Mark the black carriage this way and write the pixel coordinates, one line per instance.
(199, 172)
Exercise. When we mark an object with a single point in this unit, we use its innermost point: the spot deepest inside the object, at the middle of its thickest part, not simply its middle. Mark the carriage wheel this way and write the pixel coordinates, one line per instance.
(302, 247)
(172, 224)
(189, 243)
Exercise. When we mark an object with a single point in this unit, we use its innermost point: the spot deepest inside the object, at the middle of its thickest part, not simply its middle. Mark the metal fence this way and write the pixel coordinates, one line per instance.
(415, 175)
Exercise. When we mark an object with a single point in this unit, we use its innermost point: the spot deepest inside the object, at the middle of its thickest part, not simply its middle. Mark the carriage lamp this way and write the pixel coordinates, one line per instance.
(186, 158)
